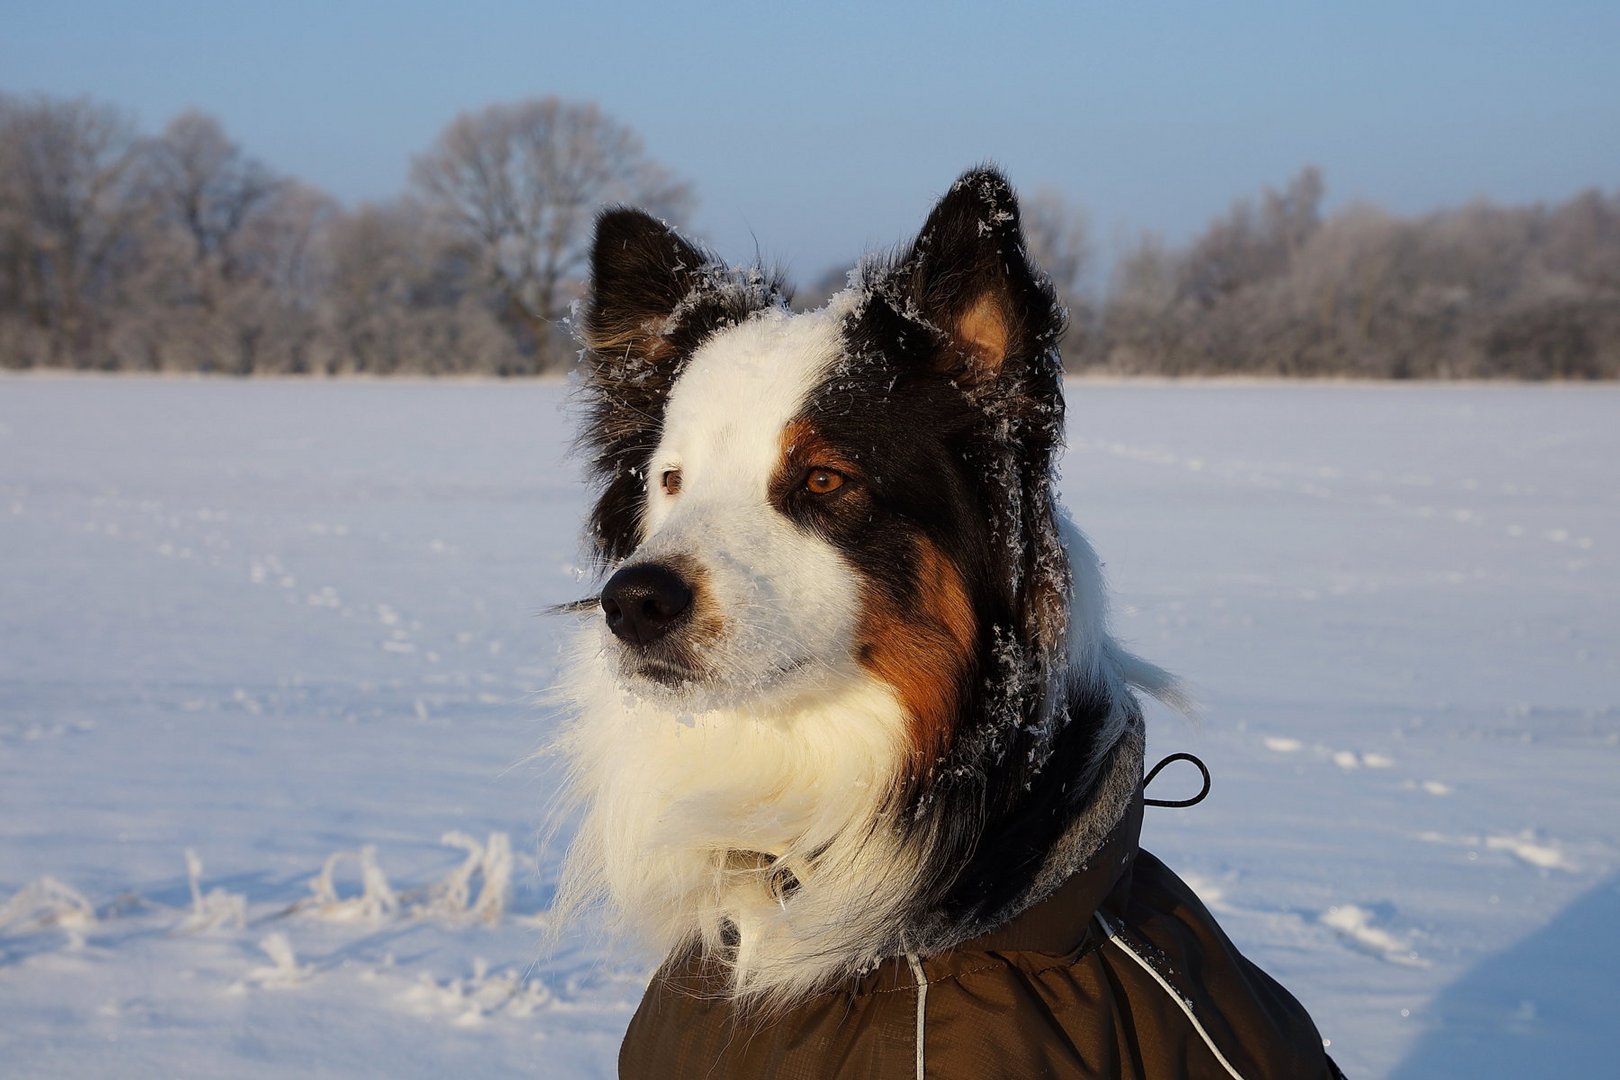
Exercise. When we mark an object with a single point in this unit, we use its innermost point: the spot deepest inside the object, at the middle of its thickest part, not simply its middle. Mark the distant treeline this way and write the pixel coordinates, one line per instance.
(181, 252)
(1275, 288)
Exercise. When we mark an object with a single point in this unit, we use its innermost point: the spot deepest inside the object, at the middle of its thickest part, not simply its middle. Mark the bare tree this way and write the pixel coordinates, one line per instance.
(519, 183)
(1249, 245)
(399, 296)
(209, 187)
(65, 210)
(1059, 240)
(268, 308)
(228, 279)
(1140, 315)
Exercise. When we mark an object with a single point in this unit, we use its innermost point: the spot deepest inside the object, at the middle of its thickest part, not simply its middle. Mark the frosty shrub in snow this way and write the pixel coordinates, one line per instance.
(376, 899)
(47, 903)
(491, 863)
(217, 907)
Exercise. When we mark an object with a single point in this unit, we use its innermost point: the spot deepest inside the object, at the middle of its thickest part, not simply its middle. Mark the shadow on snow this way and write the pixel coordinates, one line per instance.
(1544, 1007)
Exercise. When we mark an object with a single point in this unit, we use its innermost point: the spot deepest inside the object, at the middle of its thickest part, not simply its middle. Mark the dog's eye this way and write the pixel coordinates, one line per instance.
(670, 481)
(823, 481)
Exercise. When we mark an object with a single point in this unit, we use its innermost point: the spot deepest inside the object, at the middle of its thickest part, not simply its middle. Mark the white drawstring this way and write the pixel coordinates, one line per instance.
(922, 998)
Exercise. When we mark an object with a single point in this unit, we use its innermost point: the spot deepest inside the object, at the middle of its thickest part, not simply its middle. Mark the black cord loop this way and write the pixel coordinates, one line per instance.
(1195, 800)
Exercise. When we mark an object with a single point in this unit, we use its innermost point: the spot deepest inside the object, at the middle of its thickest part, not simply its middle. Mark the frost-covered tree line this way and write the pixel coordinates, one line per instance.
(1274, 287)
(181, 251)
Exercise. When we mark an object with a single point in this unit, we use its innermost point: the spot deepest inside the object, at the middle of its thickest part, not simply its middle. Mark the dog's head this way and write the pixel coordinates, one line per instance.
(851, 684)
(793, 501)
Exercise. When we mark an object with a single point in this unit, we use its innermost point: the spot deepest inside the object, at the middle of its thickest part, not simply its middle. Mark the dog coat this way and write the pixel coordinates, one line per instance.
(1120, 973)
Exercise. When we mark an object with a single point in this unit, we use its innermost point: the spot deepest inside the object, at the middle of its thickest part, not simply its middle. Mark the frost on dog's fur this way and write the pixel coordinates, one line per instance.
(653, 297)
(899, 717)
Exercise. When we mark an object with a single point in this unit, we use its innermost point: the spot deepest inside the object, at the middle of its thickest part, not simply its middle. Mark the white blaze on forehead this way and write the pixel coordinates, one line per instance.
(725, 416)
(786, 597)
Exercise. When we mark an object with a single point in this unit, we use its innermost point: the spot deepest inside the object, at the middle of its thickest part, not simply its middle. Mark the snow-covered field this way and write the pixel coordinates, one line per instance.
(292, 627)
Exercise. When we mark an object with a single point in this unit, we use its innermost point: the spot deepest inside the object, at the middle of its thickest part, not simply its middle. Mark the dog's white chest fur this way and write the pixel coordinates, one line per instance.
(694, 817)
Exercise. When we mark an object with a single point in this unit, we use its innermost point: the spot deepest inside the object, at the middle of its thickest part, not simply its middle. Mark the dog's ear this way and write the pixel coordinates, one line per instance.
(641, 274)
(641, 271)
(968, 274)
(969, 277)
(654, 297)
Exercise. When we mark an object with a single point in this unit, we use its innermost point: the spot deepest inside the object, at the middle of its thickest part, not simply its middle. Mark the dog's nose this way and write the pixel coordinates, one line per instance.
(643, 603)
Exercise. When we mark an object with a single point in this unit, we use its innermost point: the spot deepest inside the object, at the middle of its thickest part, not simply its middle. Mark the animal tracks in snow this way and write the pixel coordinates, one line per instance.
(1358, 926)
(1352, 761)
(1344, 759)
(1433, 787)
(1324, 482)
(1362, 927)
(1526, 846)
(1527, 849)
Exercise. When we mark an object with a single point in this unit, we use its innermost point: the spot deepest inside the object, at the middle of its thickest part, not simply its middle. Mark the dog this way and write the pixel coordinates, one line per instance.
(851, 698)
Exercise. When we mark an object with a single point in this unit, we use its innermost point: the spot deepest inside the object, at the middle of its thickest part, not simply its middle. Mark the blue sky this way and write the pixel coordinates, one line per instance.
(819, 130)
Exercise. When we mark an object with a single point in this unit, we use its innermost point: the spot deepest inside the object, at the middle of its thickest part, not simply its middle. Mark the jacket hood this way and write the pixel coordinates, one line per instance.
(1079, 870)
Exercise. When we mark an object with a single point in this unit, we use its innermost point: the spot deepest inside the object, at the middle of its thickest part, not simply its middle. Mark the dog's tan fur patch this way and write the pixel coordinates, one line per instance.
(922, 646)
(982, 330)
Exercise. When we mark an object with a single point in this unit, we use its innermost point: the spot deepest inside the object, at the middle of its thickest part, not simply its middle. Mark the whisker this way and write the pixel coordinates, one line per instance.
(573, 607)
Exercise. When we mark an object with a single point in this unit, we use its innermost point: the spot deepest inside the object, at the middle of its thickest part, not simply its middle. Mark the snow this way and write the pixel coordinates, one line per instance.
(1356, 924)
(273, 661)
